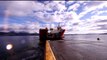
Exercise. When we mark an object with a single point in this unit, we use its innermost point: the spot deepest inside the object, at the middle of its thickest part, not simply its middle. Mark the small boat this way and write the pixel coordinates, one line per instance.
(52, 34)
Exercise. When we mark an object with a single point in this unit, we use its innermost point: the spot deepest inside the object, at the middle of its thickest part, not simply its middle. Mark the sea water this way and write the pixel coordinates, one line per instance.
(21, 43)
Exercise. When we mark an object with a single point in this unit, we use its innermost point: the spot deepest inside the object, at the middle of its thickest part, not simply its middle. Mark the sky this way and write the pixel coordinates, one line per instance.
(76, 17)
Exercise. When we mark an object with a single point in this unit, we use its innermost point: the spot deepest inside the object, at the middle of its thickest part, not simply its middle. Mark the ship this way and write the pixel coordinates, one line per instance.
(52, 33)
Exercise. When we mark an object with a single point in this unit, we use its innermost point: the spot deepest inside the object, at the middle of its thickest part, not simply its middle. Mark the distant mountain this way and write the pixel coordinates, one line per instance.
(89, 34)
(103, 33)
(12, 33)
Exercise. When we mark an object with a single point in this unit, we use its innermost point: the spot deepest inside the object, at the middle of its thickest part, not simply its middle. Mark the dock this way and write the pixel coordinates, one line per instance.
(76, 50)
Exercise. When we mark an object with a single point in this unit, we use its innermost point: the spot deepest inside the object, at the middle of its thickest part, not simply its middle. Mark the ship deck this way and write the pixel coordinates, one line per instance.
(76, 50)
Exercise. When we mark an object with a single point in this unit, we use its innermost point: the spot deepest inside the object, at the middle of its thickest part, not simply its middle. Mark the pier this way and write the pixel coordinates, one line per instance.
(76, 50)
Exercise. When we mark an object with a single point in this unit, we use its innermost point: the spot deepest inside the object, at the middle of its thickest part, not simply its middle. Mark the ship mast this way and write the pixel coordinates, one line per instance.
(59, 24)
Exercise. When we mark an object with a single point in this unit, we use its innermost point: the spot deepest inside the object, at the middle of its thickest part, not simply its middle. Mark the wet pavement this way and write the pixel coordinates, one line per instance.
(79, 49)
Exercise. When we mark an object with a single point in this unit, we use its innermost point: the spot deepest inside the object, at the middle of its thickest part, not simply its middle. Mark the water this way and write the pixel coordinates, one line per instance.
(86, 37)
(81, 47)
(21, 43)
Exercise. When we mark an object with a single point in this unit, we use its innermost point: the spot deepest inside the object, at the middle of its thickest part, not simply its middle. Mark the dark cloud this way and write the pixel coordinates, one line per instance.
(102, 27)
(75, 23)
(101, 21)
(93, 3)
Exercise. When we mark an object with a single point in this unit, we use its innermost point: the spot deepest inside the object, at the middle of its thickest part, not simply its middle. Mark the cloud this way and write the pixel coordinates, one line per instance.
(69, 2)
(33, 27)
(92, 7)
(93, 25)
(90, 25)
(20, 8)
(56, 6)
(52, 12)
(30, 27)
(26, 8)
(74, 7)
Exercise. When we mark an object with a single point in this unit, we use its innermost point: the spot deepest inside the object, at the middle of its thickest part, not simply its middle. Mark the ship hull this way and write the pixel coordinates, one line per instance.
(44, 35)
(56, 36)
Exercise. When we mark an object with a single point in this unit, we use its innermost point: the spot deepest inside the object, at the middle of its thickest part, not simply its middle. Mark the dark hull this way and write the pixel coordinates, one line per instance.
(56, 36)
(44, 35)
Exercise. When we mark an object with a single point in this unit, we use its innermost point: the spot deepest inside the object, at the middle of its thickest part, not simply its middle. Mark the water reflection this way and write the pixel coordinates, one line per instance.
(19, 42)
(86, 37)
